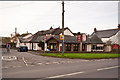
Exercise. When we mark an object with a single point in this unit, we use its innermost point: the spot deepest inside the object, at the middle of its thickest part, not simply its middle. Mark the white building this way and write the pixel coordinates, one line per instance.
(111, 36)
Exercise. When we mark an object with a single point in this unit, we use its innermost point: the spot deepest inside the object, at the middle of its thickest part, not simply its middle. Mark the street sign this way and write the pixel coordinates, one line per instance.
(61, 37)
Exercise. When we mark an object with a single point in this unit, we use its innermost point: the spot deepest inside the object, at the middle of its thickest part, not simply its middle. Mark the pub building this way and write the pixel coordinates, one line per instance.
(72, 42)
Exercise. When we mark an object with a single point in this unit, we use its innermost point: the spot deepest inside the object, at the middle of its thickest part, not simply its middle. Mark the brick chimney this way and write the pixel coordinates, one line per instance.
(119, 26)
(95, 29)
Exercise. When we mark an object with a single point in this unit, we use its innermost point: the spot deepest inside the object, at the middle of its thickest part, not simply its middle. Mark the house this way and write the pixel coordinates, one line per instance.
(23, 40)
(51, 39)
(110, 36)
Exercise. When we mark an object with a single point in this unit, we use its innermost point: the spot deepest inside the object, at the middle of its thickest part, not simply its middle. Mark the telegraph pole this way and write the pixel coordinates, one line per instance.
(63, 26)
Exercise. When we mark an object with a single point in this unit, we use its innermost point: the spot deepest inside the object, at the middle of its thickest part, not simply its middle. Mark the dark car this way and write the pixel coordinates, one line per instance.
(23, 48)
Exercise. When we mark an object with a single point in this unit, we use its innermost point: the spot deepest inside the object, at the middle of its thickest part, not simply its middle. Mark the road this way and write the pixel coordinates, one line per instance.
(28, 65)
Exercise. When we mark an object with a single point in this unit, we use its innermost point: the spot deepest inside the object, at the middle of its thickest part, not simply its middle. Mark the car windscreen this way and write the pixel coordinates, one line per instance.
(23, 47)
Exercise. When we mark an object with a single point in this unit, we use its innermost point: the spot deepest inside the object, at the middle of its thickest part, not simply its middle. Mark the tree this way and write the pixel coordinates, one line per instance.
(78, 33)
(40, 43)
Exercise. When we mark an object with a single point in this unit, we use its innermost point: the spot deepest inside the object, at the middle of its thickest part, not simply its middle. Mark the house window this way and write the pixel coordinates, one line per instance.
(76, 47)
(97, 47)
(68, 47)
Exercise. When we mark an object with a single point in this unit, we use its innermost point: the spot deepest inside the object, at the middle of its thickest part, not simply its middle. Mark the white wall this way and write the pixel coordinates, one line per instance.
(105, 39)
(88, 47)
(60, 44)
(27, 36)
(108, 48)
(67, 32)
(116, 38)
(18, 43)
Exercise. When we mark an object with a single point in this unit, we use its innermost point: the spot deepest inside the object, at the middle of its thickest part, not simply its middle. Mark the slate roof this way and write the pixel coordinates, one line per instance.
(67, 39)
(73, 39)
(95, 40)
(25, 40)
(55, 31)
(105, 33)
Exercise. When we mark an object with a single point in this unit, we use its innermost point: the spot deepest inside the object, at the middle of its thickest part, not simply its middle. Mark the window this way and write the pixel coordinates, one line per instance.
(76, 47)
(97, 47)
(68, 47)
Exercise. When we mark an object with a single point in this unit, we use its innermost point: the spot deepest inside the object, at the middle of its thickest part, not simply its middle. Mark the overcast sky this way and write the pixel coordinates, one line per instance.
(80, 16)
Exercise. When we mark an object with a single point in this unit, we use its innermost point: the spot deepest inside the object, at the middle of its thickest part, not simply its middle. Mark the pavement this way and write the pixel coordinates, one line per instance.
(28, 65)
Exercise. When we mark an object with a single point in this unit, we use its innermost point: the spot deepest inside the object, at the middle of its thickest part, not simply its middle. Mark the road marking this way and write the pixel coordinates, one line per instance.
(24, 61)
(107, 68)
(66, 75)
(39, 63)
(56, 62)
(47, 63)
(9, 58)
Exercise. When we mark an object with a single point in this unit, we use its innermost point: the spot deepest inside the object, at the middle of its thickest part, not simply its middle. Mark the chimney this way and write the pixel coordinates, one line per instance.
(95, 29)
(51, 27)
(119, 26)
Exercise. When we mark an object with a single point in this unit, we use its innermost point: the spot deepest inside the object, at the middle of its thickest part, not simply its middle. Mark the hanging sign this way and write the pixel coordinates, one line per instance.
(79, 38)
(83, 37)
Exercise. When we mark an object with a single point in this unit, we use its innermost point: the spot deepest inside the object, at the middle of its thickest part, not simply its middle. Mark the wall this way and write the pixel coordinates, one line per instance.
(27, 36)
(60, 44)
(116, 38)
(88, 47)
(18, 43)
(35, 46)
(105, 39)
(107, 48)
(67, 32)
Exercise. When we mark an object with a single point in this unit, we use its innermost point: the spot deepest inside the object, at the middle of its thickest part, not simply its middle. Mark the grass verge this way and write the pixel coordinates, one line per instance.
(83, 55)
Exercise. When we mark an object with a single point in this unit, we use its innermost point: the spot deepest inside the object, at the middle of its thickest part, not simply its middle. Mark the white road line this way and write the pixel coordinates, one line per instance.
(24, 61)
(56, 63)
(108, 68)
(47, 63)
(66, 75)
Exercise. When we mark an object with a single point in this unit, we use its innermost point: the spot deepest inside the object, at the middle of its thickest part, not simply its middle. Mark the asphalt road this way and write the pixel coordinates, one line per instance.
(28, 65)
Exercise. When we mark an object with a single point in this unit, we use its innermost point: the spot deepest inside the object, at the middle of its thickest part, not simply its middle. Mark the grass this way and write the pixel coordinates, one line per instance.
(83, 55)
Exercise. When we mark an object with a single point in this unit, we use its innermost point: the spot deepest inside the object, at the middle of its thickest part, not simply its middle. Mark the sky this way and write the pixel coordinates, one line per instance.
(80, 16)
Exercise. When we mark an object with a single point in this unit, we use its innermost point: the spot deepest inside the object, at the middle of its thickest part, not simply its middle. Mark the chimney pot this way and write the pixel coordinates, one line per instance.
(95, 29)
(119, 26)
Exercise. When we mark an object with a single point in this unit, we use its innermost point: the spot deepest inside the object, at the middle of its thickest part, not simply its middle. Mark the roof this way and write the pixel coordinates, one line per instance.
(95, 39)
(55, 31)
(105, 33)
(67, 39)
(73, 39)
(25, 40)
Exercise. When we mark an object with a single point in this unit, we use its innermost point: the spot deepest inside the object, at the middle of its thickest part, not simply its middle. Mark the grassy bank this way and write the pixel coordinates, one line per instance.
(83, 55)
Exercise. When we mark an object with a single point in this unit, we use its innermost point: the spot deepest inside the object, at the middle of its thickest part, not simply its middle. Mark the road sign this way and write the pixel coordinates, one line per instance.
(61, 37)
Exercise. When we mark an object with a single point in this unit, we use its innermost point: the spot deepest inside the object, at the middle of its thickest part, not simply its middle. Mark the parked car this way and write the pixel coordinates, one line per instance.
(23, 48)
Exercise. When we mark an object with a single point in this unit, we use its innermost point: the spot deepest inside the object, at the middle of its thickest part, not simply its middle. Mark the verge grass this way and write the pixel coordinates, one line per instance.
(83, 55)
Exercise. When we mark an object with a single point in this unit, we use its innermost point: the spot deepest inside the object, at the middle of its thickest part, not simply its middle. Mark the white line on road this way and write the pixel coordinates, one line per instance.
(24, 61)
(108, 68)
(66, 75)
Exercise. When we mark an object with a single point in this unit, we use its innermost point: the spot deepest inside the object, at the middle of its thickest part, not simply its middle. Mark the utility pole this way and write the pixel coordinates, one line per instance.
(15, 35)
(63, 27)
